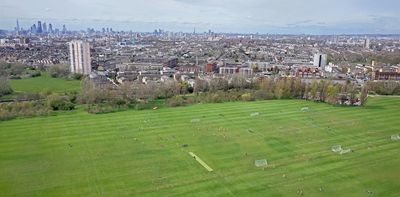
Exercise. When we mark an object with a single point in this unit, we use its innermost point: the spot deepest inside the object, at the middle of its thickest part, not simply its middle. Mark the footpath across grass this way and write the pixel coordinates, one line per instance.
(146, 153)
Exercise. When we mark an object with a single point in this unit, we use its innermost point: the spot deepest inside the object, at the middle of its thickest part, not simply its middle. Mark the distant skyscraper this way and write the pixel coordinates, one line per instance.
(64, 29)
(79, 55)
(320, 60)
(33, 29)
(50, 28)
(17, 28)
(44, 26)
(39, 27)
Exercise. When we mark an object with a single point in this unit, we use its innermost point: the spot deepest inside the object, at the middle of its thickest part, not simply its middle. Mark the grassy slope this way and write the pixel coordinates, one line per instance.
(140, 153)
(44, 82)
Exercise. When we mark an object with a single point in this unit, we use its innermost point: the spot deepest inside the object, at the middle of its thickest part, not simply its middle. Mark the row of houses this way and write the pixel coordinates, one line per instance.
(148, 71)
(384, 76)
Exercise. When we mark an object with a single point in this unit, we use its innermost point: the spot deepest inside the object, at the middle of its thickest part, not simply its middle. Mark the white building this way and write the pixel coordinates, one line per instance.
(79, 55)
(246, 71)
(367, 43)
(227, 70)
(320, 60)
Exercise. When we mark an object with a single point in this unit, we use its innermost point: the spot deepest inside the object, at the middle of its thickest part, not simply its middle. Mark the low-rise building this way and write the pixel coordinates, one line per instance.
(385, 76)
(228, 70)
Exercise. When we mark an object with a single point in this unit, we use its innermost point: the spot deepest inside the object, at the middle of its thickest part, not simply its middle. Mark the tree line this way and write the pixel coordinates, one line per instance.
(384, 87)
(141, 96)
(135, 95)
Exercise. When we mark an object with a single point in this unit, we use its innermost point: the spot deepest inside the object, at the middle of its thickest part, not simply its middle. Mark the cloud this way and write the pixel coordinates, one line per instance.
(300, 23)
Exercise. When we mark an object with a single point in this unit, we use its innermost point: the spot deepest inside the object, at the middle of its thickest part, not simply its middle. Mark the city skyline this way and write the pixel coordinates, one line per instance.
(306, 16)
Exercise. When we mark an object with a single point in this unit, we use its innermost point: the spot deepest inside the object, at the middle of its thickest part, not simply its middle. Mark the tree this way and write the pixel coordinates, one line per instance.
(218, 84)
(168, 89)
(146, 91)
(266, 89)
(184, 87)
(307, 94)
(353, 93)
(200, 86)
(332, 94)
(364, 96)
(11, 69)
(384, 87)
(239, 82)
(126, 91)
(59, 70)
(279, 90)
(91, 94)
(287, 91)
(16, 69)
(4, 66)
(298, 88)
(389, 87)
(5, 87)
(88, 92)
(323, 85)
(314, 90)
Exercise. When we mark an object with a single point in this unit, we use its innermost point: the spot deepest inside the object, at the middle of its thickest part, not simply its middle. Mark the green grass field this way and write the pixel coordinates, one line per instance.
(44, 82)
(140, 153)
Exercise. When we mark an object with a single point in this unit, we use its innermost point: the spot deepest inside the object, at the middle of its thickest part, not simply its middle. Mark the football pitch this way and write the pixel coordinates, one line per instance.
(146, 153)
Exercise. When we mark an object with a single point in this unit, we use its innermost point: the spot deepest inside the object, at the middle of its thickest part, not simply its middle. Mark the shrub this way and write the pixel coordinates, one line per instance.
(176, 101)
(56, 103)
(15, 77)
(22, 109)
(247, 97)
(27, 96)
(100, 108)
(76, 76)
(215, 98)
(141, 105)
(35, 74)
(119, 102)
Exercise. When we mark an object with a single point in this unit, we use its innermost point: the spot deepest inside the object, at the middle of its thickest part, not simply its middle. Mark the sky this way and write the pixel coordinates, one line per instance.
(230, 16)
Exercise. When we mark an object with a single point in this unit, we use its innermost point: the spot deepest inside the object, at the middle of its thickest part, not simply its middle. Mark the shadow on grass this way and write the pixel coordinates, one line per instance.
(374, 107)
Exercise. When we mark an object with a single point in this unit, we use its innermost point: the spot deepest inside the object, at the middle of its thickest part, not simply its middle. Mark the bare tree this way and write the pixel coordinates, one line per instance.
(169, 89)
(200, 86)
(218, 84)
(5, 86)
(239, 82)
(298, 88)
(59, 70)
(364, 96)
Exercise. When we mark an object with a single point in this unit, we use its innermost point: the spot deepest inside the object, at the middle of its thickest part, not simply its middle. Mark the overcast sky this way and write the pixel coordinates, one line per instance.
(244, 16)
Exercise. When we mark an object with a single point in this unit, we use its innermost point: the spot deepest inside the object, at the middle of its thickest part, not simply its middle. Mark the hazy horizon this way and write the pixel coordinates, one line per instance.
(251, 16)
